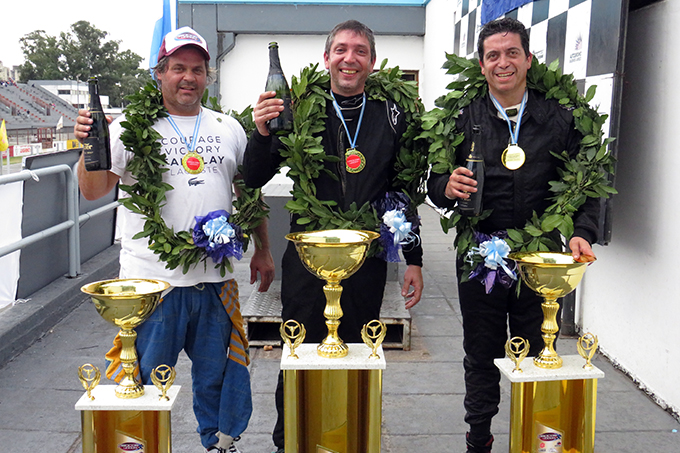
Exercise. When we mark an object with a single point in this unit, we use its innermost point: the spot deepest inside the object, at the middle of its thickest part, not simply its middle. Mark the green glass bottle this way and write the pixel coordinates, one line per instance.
(97, 145)
(276, 81)
(472, 206)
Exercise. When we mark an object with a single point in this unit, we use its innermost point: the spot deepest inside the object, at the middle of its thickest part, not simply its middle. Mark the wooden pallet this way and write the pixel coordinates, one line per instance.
(262, 317)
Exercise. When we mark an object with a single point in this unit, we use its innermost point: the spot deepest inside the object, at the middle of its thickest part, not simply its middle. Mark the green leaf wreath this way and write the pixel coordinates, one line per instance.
(147, 194)
(305, 156)
(586, 175)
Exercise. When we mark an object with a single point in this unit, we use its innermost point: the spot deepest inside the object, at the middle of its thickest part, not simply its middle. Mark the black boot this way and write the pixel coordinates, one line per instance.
(484, 447)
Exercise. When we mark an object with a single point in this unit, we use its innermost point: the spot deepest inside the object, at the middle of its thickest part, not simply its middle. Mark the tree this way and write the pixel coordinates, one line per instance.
(79, 54)
(42, 57)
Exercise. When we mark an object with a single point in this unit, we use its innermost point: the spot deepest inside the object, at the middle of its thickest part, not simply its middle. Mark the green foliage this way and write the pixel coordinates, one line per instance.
(79, 54)
(585, 175)
(306, 158)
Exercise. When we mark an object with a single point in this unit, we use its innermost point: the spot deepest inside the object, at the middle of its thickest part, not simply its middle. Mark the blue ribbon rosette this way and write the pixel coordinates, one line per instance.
(493, 269)
(396, 230)
(220, 239)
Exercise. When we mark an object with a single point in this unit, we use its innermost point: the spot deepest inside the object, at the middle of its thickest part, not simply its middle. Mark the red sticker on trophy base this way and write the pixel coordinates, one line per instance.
(354, 161)
(193, 163)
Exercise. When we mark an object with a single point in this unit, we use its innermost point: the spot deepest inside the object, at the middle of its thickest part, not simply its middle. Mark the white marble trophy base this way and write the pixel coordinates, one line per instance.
(572, 369)
(356, 359)
(105, 399)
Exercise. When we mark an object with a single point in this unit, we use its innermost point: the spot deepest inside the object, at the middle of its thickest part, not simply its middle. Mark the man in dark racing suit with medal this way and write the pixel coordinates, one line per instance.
(365, 135)
(518, 169)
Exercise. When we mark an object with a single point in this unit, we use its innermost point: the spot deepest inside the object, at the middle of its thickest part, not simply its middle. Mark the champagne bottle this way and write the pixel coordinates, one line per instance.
(472, 206)
(97, 146)
(276, 81)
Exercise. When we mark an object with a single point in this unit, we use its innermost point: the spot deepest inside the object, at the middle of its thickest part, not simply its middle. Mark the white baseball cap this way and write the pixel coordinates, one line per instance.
(181, 37)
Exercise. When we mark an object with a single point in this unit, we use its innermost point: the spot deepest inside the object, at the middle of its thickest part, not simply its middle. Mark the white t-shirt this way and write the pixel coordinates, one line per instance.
(221, 142)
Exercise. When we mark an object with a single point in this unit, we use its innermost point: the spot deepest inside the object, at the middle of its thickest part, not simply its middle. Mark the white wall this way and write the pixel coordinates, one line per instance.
(629, 296)
(10, 232)
(243, 71)
(439, 19)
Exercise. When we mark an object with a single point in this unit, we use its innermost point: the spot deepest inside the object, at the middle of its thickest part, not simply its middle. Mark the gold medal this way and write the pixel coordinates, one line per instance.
(354, 160)
(513, 157)
(193, 163)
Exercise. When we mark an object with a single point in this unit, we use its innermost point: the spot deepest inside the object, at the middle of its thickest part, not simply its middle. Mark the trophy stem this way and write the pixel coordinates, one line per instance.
(128, 387)
(332, 346)
(548, 357)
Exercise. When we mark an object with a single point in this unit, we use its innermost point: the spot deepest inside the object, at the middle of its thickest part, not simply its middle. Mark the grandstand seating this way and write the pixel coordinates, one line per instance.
(23, 106)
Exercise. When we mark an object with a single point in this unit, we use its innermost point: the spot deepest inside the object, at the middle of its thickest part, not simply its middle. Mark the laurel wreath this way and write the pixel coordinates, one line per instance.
(148, 194)
(585, 175)
(306, 158)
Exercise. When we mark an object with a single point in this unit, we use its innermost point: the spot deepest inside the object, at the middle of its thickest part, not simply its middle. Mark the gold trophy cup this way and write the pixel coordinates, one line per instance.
(551, 275)
(126, 303)
(332, 255)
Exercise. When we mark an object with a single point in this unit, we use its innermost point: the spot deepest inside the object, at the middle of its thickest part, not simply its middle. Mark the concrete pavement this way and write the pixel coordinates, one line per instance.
(423, 387)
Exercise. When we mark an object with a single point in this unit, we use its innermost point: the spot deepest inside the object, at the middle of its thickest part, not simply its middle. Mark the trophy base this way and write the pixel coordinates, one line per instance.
(564, 400)
(108, 423)
(548, 361)
(332, 350)
(332, 405)
(129, 391)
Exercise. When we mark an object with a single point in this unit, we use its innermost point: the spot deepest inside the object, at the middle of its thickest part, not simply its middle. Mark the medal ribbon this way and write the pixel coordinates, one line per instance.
(197, 126)
(352, 141)
(513, 134)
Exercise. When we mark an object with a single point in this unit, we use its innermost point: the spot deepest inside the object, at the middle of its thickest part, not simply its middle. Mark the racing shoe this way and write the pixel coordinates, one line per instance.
(477, 448)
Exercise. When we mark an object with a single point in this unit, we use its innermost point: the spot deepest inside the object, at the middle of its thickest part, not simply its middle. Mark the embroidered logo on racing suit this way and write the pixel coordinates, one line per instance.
(394, 112)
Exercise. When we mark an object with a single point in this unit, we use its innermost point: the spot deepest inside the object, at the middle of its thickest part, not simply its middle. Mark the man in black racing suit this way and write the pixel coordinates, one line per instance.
(513, 195)
(349, 56)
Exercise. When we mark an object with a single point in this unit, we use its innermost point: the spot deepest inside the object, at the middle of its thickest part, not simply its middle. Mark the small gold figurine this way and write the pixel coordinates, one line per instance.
(517, 349)
(89, 376)
(163, 377)
(587, 345)
(374, 339)
(293, 333)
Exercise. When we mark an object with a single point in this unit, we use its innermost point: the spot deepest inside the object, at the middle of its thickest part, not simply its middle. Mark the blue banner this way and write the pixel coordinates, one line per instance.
(163, 27)
(493, 9)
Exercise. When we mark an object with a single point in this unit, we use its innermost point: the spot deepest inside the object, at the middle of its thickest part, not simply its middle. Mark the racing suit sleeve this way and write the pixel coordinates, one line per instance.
(261, 160)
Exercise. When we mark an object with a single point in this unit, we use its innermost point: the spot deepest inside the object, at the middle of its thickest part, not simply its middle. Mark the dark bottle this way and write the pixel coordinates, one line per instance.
(276, 81)
(472, 206)
(97, 146)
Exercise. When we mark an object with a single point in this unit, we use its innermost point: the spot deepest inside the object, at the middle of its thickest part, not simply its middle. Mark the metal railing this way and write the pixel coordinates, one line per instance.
(72, 224)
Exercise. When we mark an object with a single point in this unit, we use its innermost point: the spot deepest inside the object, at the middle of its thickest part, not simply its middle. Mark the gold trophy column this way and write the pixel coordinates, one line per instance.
(551, 275)
(332, 405)
(109, 421)
(332, 392)
(553, 400)
(129, 416)
(548, 401)
(126, 303)
(332, 255)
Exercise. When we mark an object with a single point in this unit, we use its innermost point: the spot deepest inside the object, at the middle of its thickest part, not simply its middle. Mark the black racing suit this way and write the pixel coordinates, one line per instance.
(513, 196)
(302, 295)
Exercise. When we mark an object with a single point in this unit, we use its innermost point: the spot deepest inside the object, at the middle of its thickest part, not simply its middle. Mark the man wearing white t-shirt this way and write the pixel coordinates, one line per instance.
(201, 313)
